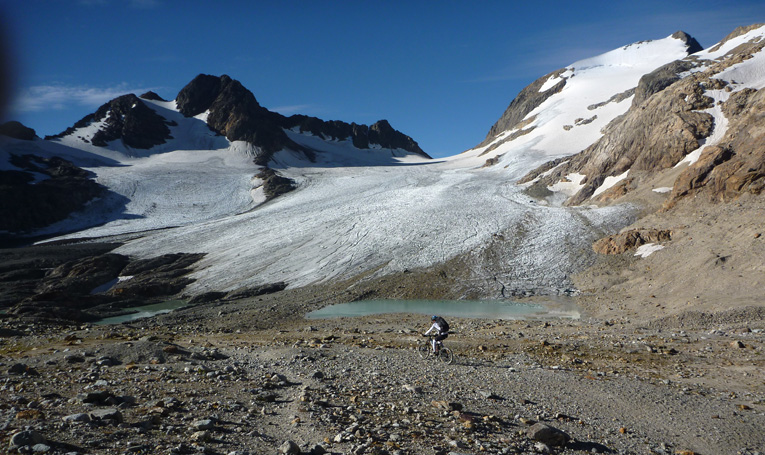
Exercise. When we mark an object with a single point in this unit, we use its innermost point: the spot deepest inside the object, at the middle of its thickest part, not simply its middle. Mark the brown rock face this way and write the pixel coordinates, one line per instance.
(737, 164)
(625, 241)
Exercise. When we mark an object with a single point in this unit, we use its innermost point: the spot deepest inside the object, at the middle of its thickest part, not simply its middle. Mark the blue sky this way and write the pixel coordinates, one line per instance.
(440, 71)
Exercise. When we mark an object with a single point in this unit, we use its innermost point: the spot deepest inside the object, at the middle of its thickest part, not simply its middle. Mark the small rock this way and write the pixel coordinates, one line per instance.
(317, 375)
(74, 358)
(204, 424)
(548, 435)
(737, 344)
(80, 417)
(289, 448)
(200, 436)
(20, 368)
(41, 448)
(112, 414)
(30, 414)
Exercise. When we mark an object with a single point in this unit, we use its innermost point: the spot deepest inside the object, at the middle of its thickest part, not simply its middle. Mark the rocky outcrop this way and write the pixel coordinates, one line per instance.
(527, 100)
(43, 285)
(380, 133)
(654, 136)
(737, 164)
(274, 184)
(630, 240)
(659, 79)
(128, 119)
(28, 202)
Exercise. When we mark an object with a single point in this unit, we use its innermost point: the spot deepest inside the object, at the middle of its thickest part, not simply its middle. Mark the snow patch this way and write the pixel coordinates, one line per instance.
(648, 249)
(569, 187)
(552, 81)
(663, 189)
(609, 182)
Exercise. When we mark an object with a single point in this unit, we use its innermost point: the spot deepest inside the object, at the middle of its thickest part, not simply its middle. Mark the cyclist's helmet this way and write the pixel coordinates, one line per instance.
(433, 318)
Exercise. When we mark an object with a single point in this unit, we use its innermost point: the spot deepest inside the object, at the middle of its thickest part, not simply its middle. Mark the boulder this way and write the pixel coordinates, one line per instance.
(547, 435)
(26, 438)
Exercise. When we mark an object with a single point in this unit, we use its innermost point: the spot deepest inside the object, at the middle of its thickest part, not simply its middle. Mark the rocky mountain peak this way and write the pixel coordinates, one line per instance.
(152, 96)
(235, 113)
(126, 118)
(692, 45)
(17, 130)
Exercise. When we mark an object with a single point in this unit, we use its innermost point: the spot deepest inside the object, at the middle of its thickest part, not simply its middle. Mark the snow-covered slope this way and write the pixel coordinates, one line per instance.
(596, 91)
(699, 115)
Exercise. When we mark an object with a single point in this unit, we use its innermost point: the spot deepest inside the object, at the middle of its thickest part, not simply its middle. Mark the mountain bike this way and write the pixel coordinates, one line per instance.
(443, 354)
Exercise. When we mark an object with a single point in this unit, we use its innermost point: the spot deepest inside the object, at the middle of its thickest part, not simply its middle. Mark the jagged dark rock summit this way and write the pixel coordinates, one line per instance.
(126, 118)
(152, 96)
(235, 113)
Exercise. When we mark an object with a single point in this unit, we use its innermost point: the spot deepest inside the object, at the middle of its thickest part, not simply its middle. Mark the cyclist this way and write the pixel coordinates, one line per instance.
(442, 327)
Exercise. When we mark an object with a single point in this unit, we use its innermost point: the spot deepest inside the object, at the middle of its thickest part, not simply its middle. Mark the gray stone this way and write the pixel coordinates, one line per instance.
(80, 417)
(26, 438)
(112, 414)
(289, 448)
(204, 424)
(547, 435)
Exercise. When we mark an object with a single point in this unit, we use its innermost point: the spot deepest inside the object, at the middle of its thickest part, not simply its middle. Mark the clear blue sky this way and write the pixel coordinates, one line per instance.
(440, 71)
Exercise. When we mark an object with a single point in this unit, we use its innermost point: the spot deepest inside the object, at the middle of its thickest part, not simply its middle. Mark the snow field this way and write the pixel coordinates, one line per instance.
(344, 221)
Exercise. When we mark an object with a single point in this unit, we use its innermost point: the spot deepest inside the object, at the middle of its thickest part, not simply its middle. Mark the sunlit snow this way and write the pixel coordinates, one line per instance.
(609, 182)
(648, 249)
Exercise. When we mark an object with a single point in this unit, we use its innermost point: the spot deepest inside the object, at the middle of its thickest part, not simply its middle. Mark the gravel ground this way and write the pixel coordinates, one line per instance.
(250, 376)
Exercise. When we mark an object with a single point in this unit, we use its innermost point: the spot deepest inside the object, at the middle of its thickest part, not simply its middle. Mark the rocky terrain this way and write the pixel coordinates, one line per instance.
(252, 376)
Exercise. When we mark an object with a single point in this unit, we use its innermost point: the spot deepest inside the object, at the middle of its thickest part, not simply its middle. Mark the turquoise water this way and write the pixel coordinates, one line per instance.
(144, 312)
(480, 309)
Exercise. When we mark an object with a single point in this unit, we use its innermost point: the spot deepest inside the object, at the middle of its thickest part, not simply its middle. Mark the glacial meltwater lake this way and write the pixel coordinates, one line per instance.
(144, 312)
(480, 309)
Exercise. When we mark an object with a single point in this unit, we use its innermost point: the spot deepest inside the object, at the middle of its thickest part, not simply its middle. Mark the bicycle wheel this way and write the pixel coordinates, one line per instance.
(424, 349)
(446, 355)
